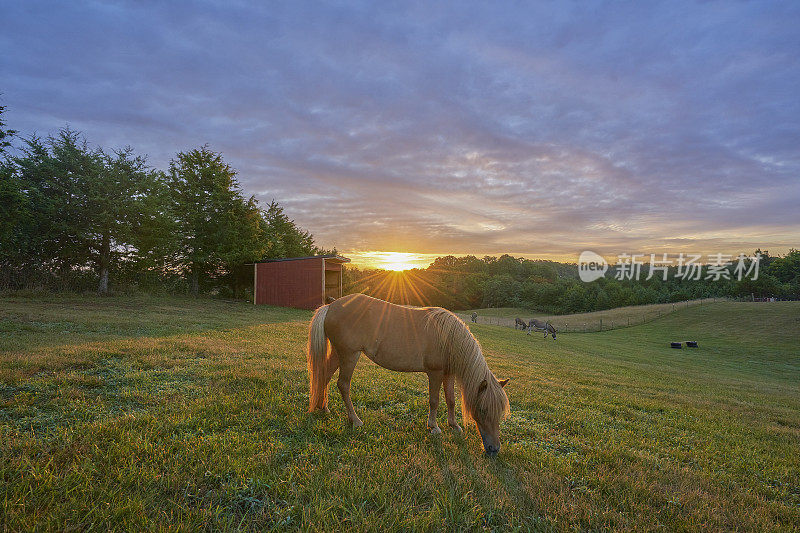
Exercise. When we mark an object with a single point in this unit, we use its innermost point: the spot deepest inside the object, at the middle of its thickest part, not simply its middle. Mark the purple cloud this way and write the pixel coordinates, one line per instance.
(472, 128)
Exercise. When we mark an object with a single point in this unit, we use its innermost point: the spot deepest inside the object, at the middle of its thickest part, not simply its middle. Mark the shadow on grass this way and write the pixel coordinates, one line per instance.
(492, 481)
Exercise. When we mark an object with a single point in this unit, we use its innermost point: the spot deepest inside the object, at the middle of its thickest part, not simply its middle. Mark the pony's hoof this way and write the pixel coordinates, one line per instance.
(457, 429)
(436, 431)
(357, 423)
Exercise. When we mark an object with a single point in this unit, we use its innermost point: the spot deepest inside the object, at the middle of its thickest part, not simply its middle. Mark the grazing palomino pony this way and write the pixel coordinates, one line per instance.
(406, 339)
(538, 325)
(520, 322)
(474, 316)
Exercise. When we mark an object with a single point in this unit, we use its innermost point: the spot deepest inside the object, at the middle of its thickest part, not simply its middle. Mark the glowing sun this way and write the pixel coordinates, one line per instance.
(398, 261)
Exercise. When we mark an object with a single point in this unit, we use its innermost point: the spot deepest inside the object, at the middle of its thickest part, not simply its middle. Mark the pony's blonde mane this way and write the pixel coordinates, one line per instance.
(466, 362)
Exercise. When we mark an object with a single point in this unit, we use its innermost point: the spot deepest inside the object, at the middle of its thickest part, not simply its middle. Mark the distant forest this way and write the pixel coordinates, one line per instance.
(75, 218)
(470, 283)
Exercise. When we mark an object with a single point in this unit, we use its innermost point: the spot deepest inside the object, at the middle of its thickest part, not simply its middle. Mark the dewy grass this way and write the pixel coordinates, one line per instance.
(181, 414)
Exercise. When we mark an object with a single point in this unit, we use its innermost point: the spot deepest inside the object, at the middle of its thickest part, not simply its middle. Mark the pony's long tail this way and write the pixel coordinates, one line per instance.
(317, 361)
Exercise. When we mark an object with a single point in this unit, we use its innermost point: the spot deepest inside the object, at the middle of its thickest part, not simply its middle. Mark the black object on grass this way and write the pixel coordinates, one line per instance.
(691, 344)
(676, 345)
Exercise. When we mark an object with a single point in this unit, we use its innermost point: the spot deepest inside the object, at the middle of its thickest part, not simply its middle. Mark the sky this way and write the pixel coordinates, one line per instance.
(538, 129)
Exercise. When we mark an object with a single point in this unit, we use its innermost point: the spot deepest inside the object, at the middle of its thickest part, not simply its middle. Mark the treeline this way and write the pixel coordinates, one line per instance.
(79, 218)
(555, 288)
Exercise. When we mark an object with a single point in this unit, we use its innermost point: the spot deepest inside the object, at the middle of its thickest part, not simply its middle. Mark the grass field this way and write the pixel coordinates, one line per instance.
(147, 413)
(595, 321)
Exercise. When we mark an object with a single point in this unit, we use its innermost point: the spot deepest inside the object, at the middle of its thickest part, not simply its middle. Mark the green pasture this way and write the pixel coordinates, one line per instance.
(182, 414)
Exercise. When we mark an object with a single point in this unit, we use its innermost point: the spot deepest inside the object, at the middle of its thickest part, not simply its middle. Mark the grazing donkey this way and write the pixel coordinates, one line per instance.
(474, 316)
(538, 325)
(406, 339)
(520, 322)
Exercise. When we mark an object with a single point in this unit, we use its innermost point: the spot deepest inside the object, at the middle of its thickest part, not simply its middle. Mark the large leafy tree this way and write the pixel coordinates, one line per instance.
(74, 208)
(120, 199)
(215, 226)
(56, 175)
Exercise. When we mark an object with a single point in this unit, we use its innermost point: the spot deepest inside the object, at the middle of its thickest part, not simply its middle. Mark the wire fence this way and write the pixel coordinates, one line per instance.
(620, 317)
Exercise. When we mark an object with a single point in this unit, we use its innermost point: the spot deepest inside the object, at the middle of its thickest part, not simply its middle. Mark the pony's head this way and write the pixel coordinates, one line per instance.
(489, 407)
(482, 396)
(552, 331)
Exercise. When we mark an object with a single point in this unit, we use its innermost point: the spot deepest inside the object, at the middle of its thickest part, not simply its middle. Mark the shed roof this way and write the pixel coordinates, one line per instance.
(332, 257)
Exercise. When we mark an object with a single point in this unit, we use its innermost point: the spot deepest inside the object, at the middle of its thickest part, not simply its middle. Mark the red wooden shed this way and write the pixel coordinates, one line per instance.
(303, 282)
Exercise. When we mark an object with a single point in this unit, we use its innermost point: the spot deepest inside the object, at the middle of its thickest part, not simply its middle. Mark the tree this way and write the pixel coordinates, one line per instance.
(283, 238)
(5, 135)
(786, 268)
(13, 204)
(74, 208)
(14, 207)
(215, 226)
(541, 271)
(55, 175)
(765, 286)
(501, 291)
(119, 199)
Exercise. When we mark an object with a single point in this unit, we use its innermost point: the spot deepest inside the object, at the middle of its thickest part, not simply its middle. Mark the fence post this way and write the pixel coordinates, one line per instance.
(601, 324)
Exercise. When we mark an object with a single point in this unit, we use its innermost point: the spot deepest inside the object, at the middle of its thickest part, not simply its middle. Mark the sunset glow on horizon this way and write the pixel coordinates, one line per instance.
(396, 261)
(399, 262)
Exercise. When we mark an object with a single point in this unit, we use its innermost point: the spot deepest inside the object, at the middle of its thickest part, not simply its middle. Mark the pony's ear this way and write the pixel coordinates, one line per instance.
(482, 386)
(503, 382)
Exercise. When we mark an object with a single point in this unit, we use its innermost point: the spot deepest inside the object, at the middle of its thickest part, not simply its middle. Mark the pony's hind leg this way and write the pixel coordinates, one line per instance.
(434, 386)
(347, 363)
(450, 400)
(330, 369)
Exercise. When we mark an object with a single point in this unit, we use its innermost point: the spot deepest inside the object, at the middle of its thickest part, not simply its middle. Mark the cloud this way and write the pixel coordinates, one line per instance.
(476, 128)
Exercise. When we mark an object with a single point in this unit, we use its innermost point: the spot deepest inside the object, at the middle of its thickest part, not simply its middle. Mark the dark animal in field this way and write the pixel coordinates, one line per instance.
(406, 339)
(474, 317)
(538, 325)
(521, 323)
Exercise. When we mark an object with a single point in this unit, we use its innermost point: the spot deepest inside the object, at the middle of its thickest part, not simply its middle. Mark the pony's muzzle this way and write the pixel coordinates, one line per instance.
(491, 451)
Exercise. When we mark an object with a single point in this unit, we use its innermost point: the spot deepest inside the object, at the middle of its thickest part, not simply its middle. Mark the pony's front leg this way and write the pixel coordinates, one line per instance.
(450, 400)
(346, 366)
(434, 385)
